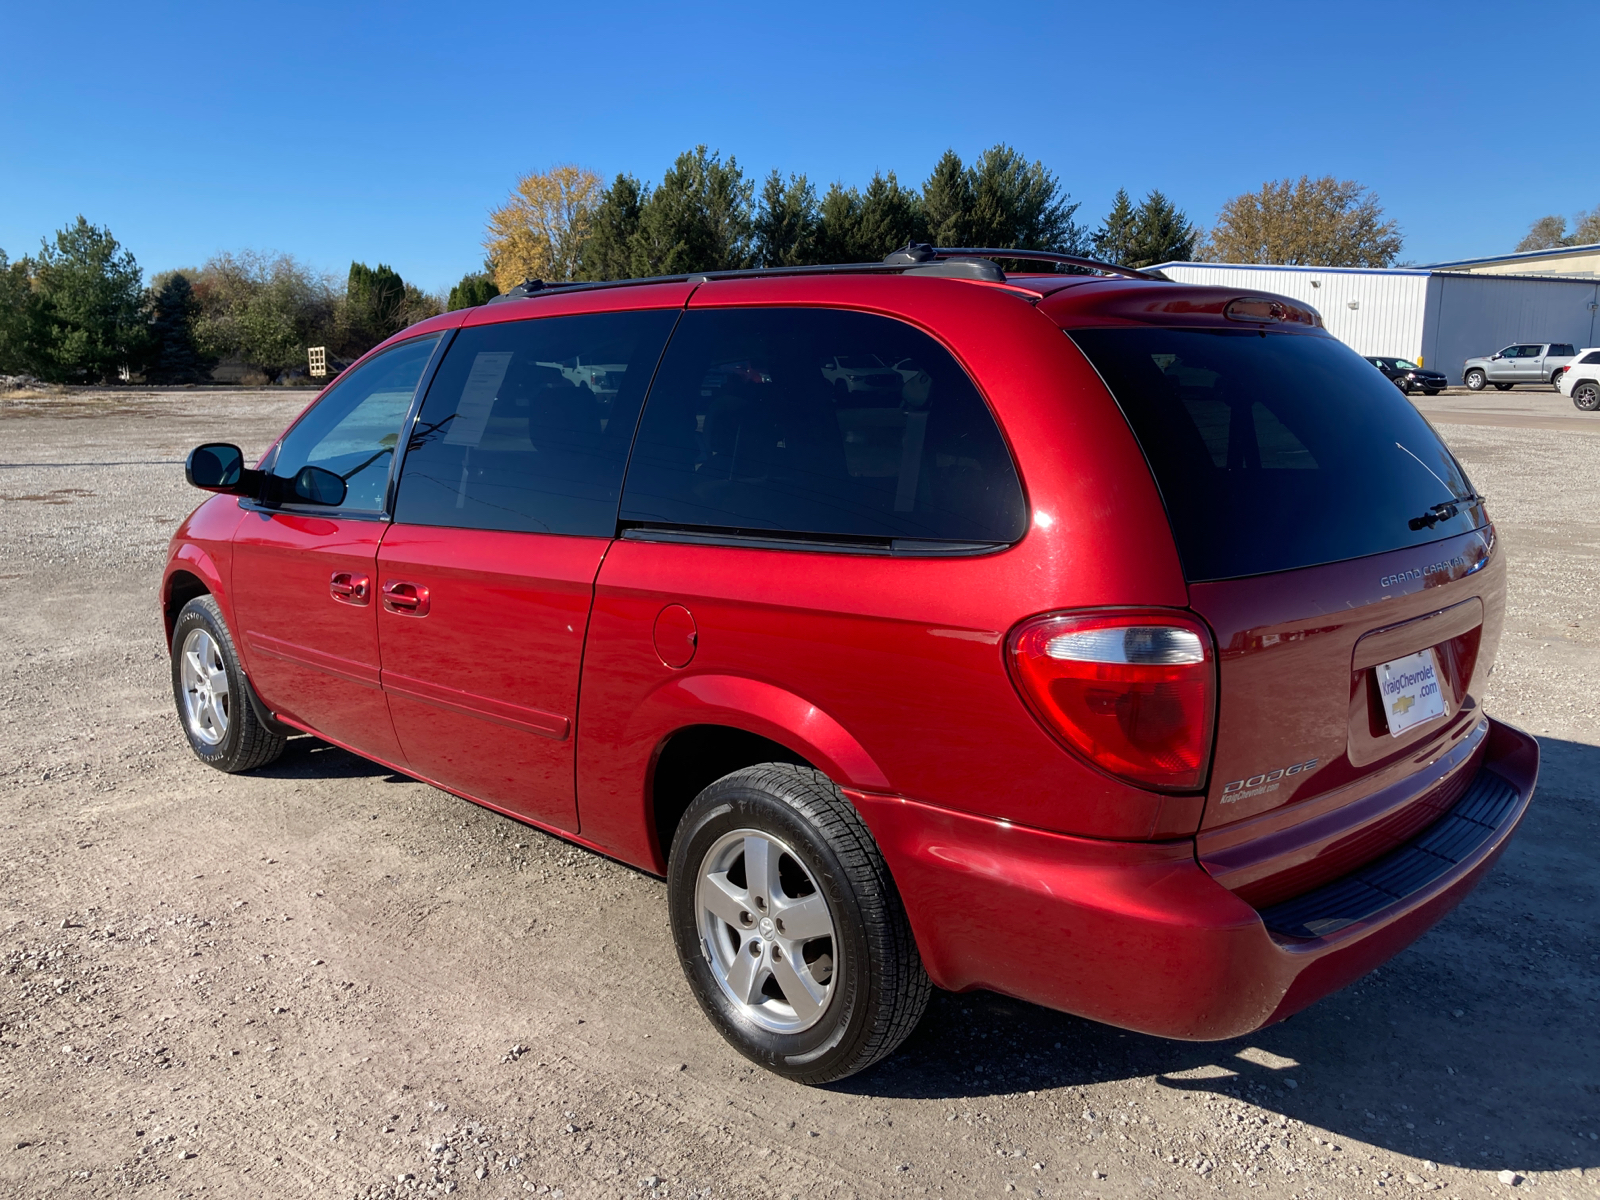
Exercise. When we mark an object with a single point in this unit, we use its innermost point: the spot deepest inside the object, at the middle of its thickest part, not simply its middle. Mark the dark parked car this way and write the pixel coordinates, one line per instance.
(1118, 648)
(1407, 376)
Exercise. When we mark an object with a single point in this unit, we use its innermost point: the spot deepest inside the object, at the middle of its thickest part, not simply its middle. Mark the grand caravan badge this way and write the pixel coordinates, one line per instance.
(1267, 781)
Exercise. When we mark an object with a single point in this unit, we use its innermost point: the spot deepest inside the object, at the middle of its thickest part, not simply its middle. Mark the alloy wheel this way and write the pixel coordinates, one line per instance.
(204, 680)
(767, 932)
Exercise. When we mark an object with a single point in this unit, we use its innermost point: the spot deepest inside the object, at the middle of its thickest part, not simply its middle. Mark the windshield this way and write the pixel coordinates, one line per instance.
(1278, 451)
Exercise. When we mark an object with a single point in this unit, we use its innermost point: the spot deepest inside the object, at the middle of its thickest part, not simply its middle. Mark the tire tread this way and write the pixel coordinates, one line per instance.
(255, 745)
(904, 988)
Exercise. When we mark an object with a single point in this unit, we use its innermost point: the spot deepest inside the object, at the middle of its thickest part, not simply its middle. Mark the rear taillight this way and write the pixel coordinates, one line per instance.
(1134, 692)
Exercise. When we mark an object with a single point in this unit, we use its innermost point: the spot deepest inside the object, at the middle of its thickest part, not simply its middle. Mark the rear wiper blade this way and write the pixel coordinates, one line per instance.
(1444, 510)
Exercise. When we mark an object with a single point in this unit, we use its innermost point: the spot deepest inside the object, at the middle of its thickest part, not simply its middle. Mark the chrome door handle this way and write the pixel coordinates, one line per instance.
(406, 599)
(350, 588)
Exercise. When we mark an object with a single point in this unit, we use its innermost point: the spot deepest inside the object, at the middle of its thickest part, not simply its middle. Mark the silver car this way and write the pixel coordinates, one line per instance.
(1526, 362)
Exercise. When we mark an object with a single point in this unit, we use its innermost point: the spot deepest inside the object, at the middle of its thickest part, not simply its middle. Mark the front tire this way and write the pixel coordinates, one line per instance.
(1586, 396)
(210, 690)
(1475, 380)
(789, 928)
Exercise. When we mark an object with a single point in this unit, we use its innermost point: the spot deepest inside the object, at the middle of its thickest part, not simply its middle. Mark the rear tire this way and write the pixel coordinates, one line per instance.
(1555, 380)
(1475, 380)
(847, 955)
(212, 694)
(1586, 396)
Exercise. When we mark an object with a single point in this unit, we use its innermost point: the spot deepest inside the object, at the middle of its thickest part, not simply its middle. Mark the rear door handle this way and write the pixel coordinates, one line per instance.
(406, 599)
(350, 588)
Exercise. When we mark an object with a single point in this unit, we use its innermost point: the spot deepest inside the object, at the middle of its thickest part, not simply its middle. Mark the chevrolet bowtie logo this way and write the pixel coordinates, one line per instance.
(1403, 705)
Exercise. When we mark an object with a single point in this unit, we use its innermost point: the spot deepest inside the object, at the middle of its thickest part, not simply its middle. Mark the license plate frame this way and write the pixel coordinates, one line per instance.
(1411, 690)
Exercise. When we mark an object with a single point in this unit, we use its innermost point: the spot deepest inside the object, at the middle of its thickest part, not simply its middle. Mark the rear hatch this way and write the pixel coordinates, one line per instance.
(1347, 570)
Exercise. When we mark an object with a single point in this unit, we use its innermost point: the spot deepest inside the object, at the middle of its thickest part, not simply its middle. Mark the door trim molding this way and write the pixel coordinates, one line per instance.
(500, 712)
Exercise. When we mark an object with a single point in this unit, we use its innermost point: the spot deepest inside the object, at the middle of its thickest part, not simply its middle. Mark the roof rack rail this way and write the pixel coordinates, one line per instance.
(913, 253)
(910, 257)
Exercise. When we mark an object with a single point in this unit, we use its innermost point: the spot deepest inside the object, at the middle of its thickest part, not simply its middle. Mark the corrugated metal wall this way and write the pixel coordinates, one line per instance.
(1471, 315)
(1437, 318)
(1373, 312)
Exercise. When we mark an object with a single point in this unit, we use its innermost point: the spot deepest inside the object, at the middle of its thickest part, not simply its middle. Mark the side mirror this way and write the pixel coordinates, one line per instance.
(314, 485)
(219, 467)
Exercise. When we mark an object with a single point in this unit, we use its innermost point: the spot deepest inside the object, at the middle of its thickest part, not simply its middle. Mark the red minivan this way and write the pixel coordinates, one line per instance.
(1111, 643)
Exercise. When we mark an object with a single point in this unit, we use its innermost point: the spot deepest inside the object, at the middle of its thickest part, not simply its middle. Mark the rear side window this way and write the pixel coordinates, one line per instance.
(1591, 358)
(1279, 451)
(527, 424)
(820, 422)
(1562, 348)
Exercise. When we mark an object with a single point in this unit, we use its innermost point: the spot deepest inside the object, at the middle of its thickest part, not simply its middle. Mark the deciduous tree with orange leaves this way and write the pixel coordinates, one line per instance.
(539, 231)
(1324, 222)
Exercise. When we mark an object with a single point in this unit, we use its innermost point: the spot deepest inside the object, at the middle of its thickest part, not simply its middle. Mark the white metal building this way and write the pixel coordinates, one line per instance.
(1436, 318)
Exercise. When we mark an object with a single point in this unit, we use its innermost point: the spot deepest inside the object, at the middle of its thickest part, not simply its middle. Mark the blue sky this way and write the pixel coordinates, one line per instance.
(385, 132)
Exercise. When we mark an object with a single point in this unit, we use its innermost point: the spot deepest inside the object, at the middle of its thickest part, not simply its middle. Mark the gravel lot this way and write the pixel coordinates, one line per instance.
(324, 979)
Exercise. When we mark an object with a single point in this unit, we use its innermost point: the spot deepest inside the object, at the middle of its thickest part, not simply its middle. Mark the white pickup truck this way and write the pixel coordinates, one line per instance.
(1526, 362)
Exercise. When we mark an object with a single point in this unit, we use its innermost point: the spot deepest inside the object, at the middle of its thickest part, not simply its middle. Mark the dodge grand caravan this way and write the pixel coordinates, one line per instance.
(1112, 643)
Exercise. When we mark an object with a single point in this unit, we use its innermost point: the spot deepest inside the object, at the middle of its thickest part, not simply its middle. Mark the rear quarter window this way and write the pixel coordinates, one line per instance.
(1277, 451)
(819, 422)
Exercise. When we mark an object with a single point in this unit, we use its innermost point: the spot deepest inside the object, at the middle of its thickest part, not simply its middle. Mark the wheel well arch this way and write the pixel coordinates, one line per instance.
(695, 757)
(182, 587)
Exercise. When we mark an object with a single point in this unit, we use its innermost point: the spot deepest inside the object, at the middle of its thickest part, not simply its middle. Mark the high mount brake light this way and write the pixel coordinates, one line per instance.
(1135, 693)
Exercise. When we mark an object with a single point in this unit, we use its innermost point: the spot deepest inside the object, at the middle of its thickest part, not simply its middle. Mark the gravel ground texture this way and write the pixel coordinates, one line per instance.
(325, 979)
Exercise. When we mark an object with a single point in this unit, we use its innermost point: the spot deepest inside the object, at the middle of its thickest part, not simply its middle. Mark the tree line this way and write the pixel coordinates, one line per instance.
(705, 214)
(79, 311)
(1550, 233)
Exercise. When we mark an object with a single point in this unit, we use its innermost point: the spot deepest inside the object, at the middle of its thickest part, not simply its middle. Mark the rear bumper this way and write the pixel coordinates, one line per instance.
(1135, 934)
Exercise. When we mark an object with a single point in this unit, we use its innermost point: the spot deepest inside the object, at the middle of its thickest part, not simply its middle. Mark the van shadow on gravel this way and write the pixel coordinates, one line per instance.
(308, 757)
(1478, 1046)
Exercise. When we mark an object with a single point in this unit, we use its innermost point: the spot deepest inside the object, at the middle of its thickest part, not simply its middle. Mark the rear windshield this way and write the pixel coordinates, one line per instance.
(1277, 451)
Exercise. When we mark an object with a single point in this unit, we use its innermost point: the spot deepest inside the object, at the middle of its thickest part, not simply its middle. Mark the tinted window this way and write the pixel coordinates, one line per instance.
(527, 424)
(1528, 351)
(1592, 357)
(1277, 452)
(1562, 348)
(819, 422)
(354, 429)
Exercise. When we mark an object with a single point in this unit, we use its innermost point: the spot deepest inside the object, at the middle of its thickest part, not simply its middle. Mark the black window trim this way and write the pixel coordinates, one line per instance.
(748, 539)
(386, 514)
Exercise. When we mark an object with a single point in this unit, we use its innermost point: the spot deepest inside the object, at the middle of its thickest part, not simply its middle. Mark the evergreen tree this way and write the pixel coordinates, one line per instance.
(947, 202)
(175, 356)
(16, 316)
(889, 217)
(474, 289)
(854, 226)
(699, 219)
(838, 224)
(613, 227)
(1021, 204)
(785, 226)
(89, 300)
(375, 304)
(1161, 233)
(1113, 241)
